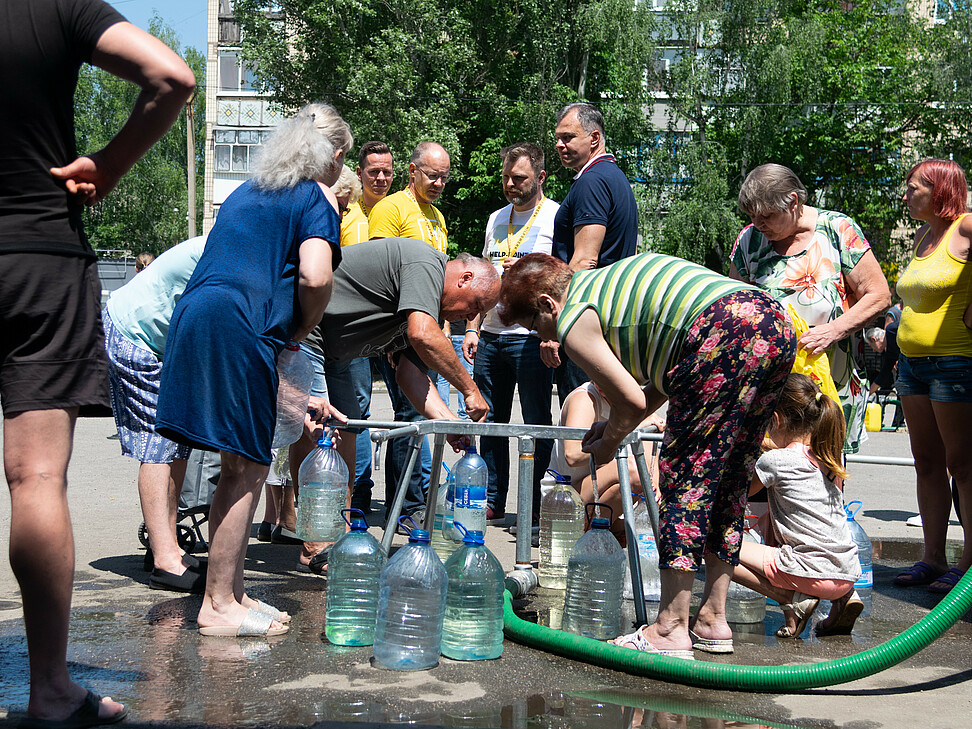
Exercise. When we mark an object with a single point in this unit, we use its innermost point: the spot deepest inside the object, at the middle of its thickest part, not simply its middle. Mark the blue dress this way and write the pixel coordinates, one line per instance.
(219, 382)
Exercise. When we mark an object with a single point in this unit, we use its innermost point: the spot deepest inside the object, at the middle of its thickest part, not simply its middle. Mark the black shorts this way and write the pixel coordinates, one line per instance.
(52, 345)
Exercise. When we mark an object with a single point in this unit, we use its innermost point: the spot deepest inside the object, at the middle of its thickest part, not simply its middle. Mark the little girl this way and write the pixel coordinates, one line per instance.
(809, 554)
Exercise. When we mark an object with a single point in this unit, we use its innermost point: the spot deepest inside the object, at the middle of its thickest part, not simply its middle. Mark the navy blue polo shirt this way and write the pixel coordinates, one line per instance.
(600, 196)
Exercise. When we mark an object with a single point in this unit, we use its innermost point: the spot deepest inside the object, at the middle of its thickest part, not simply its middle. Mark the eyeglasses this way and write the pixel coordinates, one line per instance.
(433, 178)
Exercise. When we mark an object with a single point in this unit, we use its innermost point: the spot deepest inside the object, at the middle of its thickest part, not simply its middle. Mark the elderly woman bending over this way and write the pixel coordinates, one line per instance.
(818, 261)
(651, 328)
(264, 278)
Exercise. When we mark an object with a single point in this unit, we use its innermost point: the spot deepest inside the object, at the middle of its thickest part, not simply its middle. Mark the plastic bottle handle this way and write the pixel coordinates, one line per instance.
(853, 513)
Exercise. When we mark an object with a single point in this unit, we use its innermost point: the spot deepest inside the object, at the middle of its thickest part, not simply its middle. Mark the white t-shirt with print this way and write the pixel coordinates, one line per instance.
(538, 239)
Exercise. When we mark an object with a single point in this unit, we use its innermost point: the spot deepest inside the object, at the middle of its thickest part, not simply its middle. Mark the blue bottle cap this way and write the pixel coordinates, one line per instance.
(471, 449)
(599, 522)
(558, 477)
(357, 521)
(469, 536)
(326, 442)
(419, 536)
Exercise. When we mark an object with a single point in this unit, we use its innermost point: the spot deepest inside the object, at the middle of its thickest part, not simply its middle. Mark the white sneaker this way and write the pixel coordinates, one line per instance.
(914, 521)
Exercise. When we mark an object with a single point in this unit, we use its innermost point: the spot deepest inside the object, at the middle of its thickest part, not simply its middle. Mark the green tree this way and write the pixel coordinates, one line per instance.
(148, 209)
(474, 76)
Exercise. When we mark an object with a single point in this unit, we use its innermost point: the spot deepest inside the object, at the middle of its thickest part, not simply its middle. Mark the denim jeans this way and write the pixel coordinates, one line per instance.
(442, 384)
(503, 362)
(397, 456)
(360, 371)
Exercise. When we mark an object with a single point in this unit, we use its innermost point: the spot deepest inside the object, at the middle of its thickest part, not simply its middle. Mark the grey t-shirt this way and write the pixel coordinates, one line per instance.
(808, 512)
(378, 284)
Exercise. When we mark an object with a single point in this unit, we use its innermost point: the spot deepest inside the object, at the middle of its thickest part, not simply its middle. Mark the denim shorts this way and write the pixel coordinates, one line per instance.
(942, 379)
(332, 380)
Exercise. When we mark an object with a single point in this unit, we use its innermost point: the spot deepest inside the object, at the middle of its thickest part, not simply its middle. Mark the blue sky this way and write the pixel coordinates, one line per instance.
(186, 17)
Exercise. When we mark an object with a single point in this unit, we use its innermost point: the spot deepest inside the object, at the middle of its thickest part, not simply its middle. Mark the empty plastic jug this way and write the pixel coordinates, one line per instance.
(473, 625)
(592, 602)
(865, 555)
(353, 573)
(470, 493)
(647, 556)
(411, 606)
(442, 530)
(295, 375)
(561, 525)
(323, 482)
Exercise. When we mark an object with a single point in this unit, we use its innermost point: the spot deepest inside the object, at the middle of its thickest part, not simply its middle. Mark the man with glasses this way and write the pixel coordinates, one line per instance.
(410, 212)
(597, 223)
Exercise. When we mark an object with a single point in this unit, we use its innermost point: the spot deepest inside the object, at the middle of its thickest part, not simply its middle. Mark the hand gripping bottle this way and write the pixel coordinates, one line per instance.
(592, 602)
(865, 555)
(442, 529)
(473, 625)
(411, 605)
(323, 483)
(353, 571)
(561, 525)
(470, 501)
(295, 375)
(647, 556)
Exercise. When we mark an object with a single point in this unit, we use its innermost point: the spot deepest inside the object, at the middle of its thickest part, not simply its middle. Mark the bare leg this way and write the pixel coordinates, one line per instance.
(230, 516)
(670, 630)
(36, 450)
(953, 419)
(750, 574)
(934, 495)
(711, 619)
(271, 504)
(158, 493)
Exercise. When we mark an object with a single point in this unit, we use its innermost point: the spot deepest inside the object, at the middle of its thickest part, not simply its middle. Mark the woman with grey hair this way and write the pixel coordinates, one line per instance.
(263, 279)
(819, 262)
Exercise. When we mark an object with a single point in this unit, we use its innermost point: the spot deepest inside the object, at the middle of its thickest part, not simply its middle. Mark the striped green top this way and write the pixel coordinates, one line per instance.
(645, 304)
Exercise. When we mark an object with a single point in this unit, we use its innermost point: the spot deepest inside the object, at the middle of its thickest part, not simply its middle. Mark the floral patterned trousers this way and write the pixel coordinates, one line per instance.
(723, 390)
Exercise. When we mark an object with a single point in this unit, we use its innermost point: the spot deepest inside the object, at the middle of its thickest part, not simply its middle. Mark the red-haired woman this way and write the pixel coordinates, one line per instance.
(651, 328)
(935, 368)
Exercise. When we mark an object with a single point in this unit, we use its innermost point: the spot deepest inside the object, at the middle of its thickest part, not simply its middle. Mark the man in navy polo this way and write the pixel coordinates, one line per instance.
(597, 223)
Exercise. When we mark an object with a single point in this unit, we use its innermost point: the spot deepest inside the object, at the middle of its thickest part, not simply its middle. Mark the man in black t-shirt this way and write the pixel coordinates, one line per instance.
(52, 359)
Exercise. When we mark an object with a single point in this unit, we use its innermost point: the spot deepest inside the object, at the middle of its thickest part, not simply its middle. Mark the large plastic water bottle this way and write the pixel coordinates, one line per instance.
(353, 571)
(473, 625)
(592, 602)
(442, 530)
(647, 556)
(411, 606)
(561, 525)
(470, 496)
(295, 375)
(745, 606)
(323, 482)
(865, 555)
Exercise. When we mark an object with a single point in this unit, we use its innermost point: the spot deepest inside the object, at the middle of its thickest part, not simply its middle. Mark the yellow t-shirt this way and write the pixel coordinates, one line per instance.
(354, 225)
(935, 291)
(401, 215)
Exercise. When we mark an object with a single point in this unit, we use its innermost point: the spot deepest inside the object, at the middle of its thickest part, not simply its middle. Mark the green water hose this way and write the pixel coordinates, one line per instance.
(774, 679)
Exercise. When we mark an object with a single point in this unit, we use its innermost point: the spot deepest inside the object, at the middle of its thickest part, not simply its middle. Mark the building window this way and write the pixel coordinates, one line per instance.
(222, 158)
(233, 76)
(235, 149)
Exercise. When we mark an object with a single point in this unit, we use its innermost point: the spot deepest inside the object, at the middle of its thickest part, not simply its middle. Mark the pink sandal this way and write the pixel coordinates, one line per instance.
(639, 642)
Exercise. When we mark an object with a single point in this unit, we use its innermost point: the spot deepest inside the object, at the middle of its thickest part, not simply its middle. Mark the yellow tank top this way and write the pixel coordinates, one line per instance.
(935, 291)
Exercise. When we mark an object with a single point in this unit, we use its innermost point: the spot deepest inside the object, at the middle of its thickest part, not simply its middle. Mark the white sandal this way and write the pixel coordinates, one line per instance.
(639, 642)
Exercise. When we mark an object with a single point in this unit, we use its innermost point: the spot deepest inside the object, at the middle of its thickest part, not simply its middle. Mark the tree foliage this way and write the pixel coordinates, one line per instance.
(148, 209)
(474, 76)
(848, 94)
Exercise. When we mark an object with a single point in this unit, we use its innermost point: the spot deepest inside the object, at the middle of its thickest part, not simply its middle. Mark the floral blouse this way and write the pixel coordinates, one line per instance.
(813, 282)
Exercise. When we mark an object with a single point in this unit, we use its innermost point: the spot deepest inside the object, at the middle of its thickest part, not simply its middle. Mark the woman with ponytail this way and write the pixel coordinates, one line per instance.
(809, 554)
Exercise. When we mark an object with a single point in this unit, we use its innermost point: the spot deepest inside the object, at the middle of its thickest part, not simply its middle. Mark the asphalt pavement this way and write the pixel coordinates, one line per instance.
(141, 646)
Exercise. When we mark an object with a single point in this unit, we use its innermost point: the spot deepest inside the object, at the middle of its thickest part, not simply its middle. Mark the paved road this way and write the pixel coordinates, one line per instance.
(140, 645)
